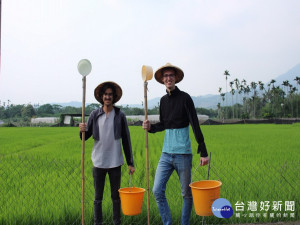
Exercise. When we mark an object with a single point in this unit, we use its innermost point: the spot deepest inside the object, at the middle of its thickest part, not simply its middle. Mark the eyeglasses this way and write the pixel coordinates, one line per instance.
(169, 75)
(108, 94)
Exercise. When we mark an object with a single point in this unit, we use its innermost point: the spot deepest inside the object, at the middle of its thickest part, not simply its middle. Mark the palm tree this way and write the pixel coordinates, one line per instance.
(241, 90)
(286, 83)
(262, 95)
(238, 88)
(220, 91)
(246, 92)
(278, 96)
(253, 86)
(219, 109)
(272, 82)
(226, 74)
(223, 98)
(261, 86)
(297, 79)
(291, 97)
(243, 86)
(232, 91)
(271, 94)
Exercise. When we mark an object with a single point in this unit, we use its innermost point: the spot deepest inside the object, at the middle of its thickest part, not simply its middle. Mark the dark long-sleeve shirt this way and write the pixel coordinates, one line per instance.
(177, 110)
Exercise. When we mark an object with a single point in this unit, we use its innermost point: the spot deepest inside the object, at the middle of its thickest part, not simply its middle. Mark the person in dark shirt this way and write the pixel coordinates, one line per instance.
(177, 111)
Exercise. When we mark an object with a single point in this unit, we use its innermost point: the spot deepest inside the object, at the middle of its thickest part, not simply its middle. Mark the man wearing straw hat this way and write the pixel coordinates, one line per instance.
(177, 111)
(108, 126)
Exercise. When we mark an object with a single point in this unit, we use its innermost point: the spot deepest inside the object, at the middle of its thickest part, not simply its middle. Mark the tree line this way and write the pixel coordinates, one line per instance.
(244, 100)
(23, 113)
(250, 100)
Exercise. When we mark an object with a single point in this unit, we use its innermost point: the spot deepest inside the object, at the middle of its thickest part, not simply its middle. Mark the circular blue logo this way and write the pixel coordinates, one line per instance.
(221, 208)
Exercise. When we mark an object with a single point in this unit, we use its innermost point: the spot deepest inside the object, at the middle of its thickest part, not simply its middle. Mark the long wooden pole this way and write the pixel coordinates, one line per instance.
(83, 147)
(147, 152)
(203, 218)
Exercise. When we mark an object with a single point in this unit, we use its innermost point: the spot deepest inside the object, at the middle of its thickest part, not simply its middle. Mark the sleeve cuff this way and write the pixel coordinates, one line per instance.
(202, 150)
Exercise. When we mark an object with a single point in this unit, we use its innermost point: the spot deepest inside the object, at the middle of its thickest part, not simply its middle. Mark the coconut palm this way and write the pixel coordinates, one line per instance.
(261, 86)
(240, 92)
(238, 89)
(247, 90)
(219, 110)
(271, 94)
(220, 91)
(232, 91)
(272, 82)
(291, 97)
(223, 98)
(253, 87)
(297, 79)
(278, 97)
(286, 83)
(226, 74)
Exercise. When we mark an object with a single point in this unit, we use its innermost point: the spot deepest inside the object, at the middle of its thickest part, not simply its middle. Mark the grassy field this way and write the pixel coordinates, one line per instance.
(40, 173)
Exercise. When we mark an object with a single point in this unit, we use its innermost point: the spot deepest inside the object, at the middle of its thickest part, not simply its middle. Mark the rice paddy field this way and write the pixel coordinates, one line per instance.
(258, 165)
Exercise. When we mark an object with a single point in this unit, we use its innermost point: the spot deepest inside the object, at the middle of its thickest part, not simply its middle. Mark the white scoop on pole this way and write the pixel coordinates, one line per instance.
(84, 68)
(147, 74)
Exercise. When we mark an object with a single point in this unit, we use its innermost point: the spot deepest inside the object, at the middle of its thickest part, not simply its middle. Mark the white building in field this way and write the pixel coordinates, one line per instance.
(47, 120)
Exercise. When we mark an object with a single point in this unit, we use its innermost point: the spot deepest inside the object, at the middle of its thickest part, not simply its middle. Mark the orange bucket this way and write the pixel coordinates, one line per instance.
(131, 200)
(204, 193)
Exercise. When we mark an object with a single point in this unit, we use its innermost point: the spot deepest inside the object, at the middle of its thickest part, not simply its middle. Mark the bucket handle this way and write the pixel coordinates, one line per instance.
(130, 178)
(207, 178)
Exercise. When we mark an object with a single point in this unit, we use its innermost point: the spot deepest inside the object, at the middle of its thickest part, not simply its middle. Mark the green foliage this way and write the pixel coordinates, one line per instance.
(56, 108)
(27, 112)
(153, 111)
(91, 107)
(132, 111)
(273, 101)
(71, 110)
(13, 111)
(45, 110)
(209, 112)
(2, 112)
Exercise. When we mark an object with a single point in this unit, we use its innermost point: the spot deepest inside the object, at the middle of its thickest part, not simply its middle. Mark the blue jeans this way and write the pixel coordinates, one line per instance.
(182, 163)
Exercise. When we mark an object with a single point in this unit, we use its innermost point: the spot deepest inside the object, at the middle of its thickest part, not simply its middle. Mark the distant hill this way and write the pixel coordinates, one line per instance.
(208, 101)
(72, 103)
(289, 75)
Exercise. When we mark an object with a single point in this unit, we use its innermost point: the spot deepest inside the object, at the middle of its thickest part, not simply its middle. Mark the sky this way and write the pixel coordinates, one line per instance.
(42, 42)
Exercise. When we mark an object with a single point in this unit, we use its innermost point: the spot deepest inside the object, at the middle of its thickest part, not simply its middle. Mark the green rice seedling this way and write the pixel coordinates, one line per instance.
(40, 173)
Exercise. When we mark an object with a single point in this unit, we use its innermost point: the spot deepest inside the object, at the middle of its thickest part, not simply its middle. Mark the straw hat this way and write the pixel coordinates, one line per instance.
(159, 75)
(100, 86)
